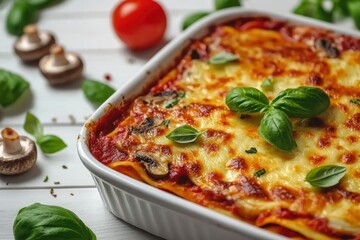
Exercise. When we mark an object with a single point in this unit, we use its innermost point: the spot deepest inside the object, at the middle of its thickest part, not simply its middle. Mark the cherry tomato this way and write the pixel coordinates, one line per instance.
(139, 24)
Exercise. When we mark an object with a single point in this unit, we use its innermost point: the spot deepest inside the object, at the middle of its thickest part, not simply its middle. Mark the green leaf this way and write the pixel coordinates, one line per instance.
(313, 9)
(325, 176)
(246, 100)
(96, 92)
(259, 172)
(12, 86)
(222, 58)
(174, 102)
(340, 7)
(221, 4)
(354, 8)
(189, 20)
(267, 84)
(20, 14)
(33, 126)
(166, 123)
(302, 102)
(355, 101)
(41, 4)
(184, 134)
(46, 222)
(276, 129)
(50, 143)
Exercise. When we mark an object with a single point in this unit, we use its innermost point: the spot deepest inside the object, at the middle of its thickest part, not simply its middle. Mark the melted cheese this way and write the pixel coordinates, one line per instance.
(223, 166)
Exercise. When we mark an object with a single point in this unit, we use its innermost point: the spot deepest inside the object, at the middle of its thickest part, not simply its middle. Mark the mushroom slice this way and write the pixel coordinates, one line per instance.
(155, 168)
(327, 47)
(61, 67)
(17, 153)
(146, 125)
(33, 45)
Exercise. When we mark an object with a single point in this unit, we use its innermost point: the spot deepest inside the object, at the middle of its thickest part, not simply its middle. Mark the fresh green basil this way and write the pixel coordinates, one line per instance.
(354, 9)
(267, 84)
(174, 102)
(252, 150)
(276, 129)
(260, 172)
(12, 86)
(246, 100)
(21, 14)
(221, 4)
(222, 58)
(355, 101)
(340, 8)
(189, 20)
(184, 134)
(313, 9)
(96, 92)
(302, 102)
(33, 126)
(47, 222)
(50, 143)
(325, 176)
(47, 143)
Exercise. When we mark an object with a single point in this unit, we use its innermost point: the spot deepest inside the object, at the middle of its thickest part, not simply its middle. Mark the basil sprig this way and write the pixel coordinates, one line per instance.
(221, 4)
(190, 19)
(12, 86)
(184, 134)
(96, 92)
(222, 58)
(47, 222)
(325, 176)
(47, 143)
(275, 127)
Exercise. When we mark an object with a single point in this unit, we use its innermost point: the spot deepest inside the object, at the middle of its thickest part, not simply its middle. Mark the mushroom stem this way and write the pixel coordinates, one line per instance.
(58, 54)
(11, 141)
(32, 34)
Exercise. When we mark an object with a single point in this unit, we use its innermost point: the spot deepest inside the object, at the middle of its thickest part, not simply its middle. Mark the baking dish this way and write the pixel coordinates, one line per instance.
(153, 210)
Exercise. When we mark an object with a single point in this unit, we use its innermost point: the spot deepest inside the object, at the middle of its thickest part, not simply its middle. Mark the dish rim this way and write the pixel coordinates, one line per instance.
(131, 88)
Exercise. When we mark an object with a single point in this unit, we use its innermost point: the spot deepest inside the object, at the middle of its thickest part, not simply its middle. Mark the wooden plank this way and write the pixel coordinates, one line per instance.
(75, 173)
(85, 203)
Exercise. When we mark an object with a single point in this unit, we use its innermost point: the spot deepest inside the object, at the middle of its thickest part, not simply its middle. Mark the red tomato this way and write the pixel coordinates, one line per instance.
(139, 24)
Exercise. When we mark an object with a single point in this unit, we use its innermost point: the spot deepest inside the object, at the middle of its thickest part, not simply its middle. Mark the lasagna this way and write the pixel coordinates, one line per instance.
(228, 166)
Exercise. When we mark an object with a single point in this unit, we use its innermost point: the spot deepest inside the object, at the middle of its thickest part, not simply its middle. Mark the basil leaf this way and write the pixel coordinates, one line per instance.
(313, 9)
(302, 102)
(96, 92)
(33, 126)
(246, 100)
(355, 101)
(325, 176)
(340, 7)
(184, 134)
(50, 143)
(221, 4)
(222, 58)
(267, 84)
(276, 129)
(175, 101)
(259, 172)
(12, 86)
(354, 8)
(189, 20)
(46, 222)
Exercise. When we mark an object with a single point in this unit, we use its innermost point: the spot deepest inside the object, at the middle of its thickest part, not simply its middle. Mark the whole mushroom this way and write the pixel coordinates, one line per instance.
(33, 45)
(61, 67)
(17, 153)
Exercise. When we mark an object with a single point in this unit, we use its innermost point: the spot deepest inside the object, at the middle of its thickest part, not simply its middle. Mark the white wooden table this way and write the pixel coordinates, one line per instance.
(82, 26)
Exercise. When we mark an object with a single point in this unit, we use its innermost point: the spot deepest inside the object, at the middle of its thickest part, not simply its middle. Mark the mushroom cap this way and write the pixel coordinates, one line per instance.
(11, 164)
(57, 74)
(33, 45)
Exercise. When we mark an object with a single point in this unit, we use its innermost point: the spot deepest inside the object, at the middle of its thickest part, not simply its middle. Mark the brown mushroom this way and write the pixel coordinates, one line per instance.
(17, 153)
(148, 124)
(61, 67)
(155, 168)
(33, 45)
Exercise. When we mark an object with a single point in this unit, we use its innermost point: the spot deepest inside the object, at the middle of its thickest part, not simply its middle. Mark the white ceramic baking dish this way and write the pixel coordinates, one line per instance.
(156, 211)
